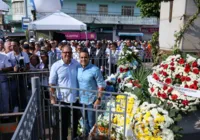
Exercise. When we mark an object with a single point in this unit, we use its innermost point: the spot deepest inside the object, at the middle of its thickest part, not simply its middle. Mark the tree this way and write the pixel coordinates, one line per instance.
(150, 8)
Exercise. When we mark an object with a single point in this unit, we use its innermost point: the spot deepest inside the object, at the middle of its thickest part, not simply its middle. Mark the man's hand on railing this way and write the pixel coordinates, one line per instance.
(52, 98)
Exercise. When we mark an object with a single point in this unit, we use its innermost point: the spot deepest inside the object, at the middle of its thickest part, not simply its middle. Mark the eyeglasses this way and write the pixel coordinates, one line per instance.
(67, 52)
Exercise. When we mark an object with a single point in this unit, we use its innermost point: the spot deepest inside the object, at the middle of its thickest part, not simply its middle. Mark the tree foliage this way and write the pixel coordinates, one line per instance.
(150, 8)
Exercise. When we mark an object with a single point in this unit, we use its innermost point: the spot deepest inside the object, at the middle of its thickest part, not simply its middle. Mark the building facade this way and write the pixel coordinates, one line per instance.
(112, 19)
(13, 18)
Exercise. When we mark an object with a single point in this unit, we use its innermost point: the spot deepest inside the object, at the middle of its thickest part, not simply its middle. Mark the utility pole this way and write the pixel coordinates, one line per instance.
(26, 8)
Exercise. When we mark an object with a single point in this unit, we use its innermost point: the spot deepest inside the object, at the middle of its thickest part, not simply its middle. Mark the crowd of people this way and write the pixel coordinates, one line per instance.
(72, 64)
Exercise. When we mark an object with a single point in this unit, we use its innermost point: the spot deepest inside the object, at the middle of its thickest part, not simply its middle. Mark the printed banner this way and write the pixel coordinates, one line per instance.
(185, 91)
(79, 35)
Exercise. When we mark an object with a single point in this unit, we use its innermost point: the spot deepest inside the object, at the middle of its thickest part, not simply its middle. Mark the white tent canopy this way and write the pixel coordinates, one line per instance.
(3, 6)
(57, 21)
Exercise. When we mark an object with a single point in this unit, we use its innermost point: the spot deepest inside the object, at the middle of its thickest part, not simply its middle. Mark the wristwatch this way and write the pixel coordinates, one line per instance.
(99, 98)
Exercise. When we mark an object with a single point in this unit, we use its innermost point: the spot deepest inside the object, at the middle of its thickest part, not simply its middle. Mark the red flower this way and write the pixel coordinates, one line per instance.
(194, 64)
(196, 70)
(185, 102)
(165, 66)
(172, 63)
(183, 78)
(172, 59)
(164, 73)
(193, 86)
(172, 68)
(181, 61)
(155, 76)
(195, 82)
(121, 70)
(125, 70)
(164, 95)
(188, 79)
(119, 80)
(170, 90)
(174, 97)
(178, 76)
(152, 89)
(168, 81)
(159, 94)
(165, 87)
(187, 69)
(186, 86)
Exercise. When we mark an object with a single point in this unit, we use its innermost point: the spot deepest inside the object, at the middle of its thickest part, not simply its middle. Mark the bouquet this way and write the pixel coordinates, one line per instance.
(176, 81)
(152, 123)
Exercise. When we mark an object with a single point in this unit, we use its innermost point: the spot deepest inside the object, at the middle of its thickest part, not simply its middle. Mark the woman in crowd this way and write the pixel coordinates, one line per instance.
(76, 54)
(34, 62)
(114, 57)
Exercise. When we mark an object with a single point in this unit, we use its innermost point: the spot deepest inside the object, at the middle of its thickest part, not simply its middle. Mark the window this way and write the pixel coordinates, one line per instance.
(103, 9)
(127, 10)
(18, 7)
(81, 8)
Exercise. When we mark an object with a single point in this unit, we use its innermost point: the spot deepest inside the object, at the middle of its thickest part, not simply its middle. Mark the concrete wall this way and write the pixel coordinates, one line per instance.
(191, 39)
(167, 29)
(92, 7)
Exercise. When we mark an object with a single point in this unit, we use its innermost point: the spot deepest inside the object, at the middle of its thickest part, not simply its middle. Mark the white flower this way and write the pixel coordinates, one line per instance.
(190, 59)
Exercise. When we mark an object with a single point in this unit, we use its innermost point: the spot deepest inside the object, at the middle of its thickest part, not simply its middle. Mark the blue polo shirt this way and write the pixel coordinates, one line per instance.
(89, 78)
(64, 75)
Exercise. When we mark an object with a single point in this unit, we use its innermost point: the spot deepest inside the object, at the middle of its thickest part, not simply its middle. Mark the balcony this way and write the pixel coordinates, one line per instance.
(114, 19)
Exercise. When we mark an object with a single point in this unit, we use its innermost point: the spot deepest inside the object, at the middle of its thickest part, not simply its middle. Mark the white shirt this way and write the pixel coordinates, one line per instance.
(34, 67)
(64, 75)
(97, 51)
(76, 56)
(4, 61)
(114, 57)
(73, 49)
(38, 53)
(15, 58)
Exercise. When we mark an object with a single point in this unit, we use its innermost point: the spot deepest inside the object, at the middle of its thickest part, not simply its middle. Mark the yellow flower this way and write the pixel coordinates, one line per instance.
(129, 108)
(146, 116)
(131, 100)
(118, 108)
(159, 118)
(115, 120)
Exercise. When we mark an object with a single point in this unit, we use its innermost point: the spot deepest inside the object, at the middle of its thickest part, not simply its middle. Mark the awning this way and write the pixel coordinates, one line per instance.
(130, 34)
(4, 6)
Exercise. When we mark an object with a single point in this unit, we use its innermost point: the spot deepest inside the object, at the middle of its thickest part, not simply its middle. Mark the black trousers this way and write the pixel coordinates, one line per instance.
(65, 113)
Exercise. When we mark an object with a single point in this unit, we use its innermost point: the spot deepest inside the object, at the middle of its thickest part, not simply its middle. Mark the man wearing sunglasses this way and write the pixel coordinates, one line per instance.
(63, 73)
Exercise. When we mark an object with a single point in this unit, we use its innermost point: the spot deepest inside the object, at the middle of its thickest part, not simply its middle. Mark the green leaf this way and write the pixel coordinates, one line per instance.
(178, 118)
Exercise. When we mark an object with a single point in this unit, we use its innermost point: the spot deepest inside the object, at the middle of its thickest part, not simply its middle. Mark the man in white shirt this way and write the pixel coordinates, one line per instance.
(5, 66)
(64, 74)
(19, 60)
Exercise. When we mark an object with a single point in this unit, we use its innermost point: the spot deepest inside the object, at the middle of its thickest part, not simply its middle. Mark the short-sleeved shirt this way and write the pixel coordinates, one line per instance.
(64, 75)
(4, 63)
(14, 59)
(89, 78)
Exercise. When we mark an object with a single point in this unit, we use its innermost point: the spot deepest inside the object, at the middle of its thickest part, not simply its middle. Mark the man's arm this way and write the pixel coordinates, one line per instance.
(101, 86)
(52, 94)
(6, 69)
(53, 77)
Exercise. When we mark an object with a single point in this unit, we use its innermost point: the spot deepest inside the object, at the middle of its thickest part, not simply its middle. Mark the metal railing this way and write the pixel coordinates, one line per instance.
(114, 19)
(29, 127)
(15, 89)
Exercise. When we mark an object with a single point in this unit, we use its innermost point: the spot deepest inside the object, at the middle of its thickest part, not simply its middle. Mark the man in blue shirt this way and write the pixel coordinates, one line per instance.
(64, 74)
(89, 78)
